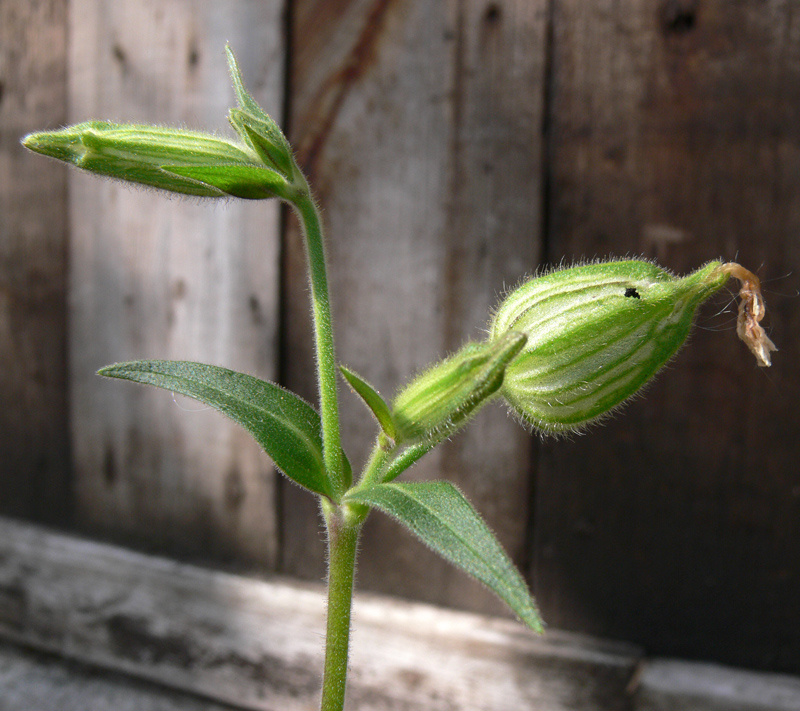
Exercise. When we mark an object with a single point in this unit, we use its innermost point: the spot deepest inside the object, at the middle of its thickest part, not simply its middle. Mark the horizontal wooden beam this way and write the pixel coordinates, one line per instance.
(257, 644)
(46, 682)
(675, 685)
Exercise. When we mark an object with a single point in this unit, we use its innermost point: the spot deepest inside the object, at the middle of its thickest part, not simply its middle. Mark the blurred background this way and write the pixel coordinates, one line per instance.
(455, 147)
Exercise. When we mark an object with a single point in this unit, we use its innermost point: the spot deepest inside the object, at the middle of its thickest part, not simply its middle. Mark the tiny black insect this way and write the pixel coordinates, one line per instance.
(630, 291)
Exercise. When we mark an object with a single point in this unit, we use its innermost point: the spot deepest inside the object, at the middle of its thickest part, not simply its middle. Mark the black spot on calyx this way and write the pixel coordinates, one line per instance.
(630, 291)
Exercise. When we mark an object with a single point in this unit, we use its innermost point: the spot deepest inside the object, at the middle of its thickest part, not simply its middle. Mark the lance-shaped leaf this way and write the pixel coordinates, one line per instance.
(286, 426)
(373, 401)
(439, 514)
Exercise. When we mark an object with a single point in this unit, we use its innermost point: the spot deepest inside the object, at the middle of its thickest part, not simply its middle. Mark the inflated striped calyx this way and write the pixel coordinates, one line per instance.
(597, 333)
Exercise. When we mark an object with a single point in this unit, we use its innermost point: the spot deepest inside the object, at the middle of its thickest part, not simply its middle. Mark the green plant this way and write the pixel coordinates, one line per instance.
(564, 350)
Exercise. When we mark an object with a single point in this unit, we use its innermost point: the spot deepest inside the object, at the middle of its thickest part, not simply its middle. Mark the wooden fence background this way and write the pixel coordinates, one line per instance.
(454, 146)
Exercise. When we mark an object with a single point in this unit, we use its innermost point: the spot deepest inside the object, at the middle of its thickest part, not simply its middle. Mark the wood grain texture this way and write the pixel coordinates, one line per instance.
(34, 440)
(253, 644)
(453, 145)
(674, 685)
(419, 125)
(166, 278)
(257, 644)
(44, 682)
(674, 133)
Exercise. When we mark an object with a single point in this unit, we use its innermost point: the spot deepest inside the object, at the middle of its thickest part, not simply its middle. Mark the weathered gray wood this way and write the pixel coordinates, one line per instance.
(674, 132)
(258, 644)
(419, 125)
(674, 685)
(34, 452)
(30, 680)
(165, 278)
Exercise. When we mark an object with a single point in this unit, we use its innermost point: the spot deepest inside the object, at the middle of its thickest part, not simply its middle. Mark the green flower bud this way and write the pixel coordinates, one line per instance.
(442, 399)
(597, 333)
(179, 161)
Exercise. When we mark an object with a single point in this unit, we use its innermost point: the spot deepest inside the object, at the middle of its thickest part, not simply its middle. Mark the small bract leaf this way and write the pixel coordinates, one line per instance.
(286, 426)
(439, 514)
(243, 181)
(266, 139)
(256, 127)
(372, 399)
(247, 102)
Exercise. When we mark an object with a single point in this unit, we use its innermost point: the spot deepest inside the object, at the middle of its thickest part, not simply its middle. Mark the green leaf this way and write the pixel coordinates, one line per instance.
(256, 127)
(266, 139)
(247, 102)
(286, 426)
(243, 181)
(439, 514)
(373, 401)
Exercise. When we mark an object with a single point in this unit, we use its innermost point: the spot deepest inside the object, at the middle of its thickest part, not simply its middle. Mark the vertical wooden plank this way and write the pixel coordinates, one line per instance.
(676, 134)
(419, 125)
(34, 452)
(493, 238)
(167, 278)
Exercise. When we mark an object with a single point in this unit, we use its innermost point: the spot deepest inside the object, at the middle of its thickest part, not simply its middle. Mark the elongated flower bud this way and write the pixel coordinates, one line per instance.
(443, 398)
(597, 333)
(170, 159)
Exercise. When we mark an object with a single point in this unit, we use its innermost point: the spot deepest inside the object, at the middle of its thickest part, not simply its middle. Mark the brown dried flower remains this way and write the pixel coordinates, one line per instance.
(751, 311)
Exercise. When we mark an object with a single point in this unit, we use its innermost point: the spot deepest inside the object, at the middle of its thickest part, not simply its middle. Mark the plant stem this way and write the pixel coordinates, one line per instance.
(376, 470)
(323, 331)
(343, 525)
(374, 466)
(406, 459)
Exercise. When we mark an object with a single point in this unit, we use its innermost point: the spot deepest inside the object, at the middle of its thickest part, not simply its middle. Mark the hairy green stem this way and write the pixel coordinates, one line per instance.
(381, 467)
(374, 466)
(343, 525)
(323, 328)
(407, 458)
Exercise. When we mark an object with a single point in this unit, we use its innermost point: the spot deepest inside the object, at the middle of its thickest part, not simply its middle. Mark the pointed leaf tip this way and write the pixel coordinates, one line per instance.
(440, 515)
(257, 128)
(373, 400)
(243, 97)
